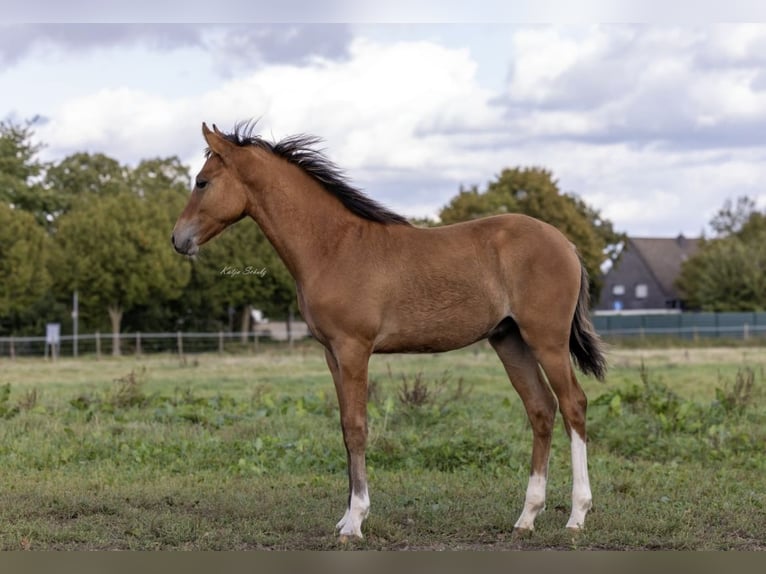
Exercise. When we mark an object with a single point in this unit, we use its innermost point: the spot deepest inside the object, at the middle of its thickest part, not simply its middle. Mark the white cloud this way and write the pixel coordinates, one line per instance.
(133, 123)
(386, 106)
(640, 83)
(376, 106)
(740, 43)
(654, 126)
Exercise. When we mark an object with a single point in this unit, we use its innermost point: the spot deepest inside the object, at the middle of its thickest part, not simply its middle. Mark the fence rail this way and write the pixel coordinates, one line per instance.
(724, 326)
(138, 343)
(741, 326)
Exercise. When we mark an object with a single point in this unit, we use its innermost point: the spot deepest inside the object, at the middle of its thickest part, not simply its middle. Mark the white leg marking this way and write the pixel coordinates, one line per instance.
(342, 521)
(581, 496)
(534, 502)
(351, 523)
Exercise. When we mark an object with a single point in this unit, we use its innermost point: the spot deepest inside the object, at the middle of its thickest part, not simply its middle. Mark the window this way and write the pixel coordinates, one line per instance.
(642, 291)
(618, 290)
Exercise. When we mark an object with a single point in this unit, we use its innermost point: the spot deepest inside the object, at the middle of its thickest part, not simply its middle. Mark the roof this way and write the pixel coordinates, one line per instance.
(664, 256)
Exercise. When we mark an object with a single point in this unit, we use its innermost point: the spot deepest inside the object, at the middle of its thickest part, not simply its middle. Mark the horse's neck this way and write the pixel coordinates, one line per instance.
(301, 219)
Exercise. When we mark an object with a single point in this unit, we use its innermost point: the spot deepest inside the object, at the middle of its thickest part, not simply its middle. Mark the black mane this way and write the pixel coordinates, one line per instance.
(301, 151)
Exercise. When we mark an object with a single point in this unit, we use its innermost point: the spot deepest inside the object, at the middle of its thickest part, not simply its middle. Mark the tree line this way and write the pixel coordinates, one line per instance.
(90, 224)
(728, 272)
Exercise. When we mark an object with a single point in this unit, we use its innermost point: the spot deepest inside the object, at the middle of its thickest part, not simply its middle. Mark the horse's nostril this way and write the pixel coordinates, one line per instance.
(173, 239)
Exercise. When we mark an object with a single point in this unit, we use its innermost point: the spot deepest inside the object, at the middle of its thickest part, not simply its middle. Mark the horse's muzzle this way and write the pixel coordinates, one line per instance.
(185, 246)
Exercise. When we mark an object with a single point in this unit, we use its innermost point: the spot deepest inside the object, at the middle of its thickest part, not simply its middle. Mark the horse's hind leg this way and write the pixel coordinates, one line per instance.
(555, 361)
(540, 404)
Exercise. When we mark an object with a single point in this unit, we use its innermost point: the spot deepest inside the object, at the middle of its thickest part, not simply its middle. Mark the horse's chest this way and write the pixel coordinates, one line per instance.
(308, 315)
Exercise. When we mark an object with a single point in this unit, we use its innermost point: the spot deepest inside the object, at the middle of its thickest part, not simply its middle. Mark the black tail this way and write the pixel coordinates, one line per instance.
(584, 343)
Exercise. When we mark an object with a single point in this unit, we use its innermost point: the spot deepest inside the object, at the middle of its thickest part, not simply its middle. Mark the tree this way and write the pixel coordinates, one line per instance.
(116, 253)
(160, 175)
(165, 182)
(24, 277)
(728, 272)
(82, 177)
(534, 192)
(732, 217)
(21, 171)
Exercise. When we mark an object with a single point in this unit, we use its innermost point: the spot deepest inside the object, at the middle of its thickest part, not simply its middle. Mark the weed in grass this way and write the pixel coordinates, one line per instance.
(29, 401)
(420, 392)
(129, 390)
(651, 420)
(185, 362)
(259, 391)
(7, 411)
(375, 391)
(736, 397)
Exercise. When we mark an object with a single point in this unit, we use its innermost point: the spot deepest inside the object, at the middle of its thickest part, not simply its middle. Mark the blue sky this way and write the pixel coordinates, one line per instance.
(655, 125)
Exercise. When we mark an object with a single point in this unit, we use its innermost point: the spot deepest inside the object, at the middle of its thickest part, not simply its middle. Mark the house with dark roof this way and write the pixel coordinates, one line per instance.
(644, 277)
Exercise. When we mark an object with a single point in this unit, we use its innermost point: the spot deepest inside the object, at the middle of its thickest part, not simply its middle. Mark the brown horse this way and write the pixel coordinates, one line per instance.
(369, 282)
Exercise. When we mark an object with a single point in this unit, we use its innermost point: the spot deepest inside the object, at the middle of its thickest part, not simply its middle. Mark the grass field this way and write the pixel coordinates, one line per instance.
(245, 452)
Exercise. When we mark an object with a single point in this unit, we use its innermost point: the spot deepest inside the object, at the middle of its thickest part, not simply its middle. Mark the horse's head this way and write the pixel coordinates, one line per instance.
(219, 197)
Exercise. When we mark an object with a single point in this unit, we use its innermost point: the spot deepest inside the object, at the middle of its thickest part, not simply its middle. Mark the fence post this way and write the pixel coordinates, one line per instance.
(746, 331)
(180, 341)
(220, 342)
(717, 327)
(98, 345)
(290, 327)
(138, 343)
(13, 348)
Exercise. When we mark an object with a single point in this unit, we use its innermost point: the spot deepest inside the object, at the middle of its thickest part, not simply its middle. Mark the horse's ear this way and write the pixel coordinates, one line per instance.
(215, 140)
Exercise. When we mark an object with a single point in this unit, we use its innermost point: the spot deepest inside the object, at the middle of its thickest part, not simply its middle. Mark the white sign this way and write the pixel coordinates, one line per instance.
(52, 333)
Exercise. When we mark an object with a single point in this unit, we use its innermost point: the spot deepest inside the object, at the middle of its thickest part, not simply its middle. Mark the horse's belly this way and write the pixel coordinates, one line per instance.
(414, 336)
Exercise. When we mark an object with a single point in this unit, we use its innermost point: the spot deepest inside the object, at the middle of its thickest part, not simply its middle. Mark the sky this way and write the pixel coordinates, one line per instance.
(655, 125)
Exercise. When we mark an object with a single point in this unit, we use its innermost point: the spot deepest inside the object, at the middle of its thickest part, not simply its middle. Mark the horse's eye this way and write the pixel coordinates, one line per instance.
(201, 183)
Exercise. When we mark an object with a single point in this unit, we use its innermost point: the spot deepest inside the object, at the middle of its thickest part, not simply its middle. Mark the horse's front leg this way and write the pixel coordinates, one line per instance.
(348, 365)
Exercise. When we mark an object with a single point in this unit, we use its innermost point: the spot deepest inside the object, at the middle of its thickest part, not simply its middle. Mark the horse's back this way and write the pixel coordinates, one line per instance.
(511, 242)
(449, 286)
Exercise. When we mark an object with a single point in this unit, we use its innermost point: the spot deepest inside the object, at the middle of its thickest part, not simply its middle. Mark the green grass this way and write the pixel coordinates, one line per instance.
(245, 452)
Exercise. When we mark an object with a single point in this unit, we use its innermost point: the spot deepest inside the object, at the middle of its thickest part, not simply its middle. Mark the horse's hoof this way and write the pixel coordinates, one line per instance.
(346, 538)
(522, 533)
